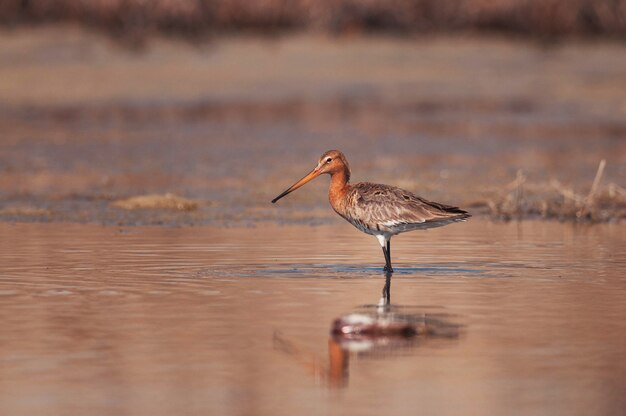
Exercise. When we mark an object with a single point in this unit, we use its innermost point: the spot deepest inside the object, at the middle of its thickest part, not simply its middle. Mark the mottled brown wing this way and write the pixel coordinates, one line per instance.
(390, 209)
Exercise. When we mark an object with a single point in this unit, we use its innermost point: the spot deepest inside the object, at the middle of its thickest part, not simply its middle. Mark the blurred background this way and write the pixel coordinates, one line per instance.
(201, 111)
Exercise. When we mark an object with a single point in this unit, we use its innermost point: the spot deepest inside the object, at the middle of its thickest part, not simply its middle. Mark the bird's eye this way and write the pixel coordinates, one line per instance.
(329, 160)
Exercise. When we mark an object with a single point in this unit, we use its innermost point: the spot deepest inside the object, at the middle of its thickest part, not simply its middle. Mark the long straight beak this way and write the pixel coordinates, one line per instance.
(314, 174)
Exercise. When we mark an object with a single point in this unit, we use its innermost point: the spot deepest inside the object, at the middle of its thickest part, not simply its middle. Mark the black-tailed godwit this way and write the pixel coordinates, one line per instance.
(376, 209)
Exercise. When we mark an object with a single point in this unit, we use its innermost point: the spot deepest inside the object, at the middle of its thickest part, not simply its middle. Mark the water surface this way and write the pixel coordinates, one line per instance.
(202, 320)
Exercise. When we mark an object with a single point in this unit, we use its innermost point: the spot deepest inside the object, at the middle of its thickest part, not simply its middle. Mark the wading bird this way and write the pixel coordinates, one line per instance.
(375, 209)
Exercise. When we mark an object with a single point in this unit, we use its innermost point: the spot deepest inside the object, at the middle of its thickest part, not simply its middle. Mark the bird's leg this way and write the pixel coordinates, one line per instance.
(387, 267)
(384, 243)
(387, 252)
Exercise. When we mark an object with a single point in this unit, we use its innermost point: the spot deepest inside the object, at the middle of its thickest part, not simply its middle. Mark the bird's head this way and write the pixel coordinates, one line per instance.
(331, 162)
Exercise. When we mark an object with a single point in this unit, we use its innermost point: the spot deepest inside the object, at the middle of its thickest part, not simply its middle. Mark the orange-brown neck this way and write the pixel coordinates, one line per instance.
(338, 188)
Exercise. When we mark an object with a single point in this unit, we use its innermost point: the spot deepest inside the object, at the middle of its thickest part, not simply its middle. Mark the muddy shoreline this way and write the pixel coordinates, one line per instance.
(507, 129)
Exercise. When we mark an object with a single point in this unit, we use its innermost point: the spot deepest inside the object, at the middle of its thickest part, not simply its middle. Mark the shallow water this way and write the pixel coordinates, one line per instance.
(200, 320)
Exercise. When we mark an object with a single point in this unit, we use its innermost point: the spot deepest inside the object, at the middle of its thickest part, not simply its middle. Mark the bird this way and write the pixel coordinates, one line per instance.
(376, 209)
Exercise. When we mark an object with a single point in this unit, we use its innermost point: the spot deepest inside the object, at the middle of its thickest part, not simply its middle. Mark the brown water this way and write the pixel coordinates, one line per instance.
(198, 320)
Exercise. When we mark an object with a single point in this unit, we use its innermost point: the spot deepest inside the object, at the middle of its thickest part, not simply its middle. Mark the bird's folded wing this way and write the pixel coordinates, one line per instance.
(390, 206)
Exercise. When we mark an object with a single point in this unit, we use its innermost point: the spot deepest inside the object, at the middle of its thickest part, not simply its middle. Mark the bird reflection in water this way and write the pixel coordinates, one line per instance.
(380, 330)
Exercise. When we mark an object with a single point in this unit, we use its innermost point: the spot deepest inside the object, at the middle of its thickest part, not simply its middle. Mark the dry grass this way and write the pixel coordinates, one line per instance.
(521, 199)
(156, 201)
(24, 211)
(134, 20)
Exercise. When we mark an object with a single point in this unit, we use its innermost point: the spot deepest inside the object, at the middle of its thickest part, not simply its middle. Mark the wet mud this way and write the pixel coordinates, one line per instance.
(508, 129)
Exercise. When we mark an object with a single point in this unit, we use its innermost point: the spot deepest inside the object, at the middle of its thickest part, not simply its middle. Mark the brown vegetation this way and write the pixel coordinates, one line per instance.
(134, 20)
(554, 200)
(24, 211)
(154, 201)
